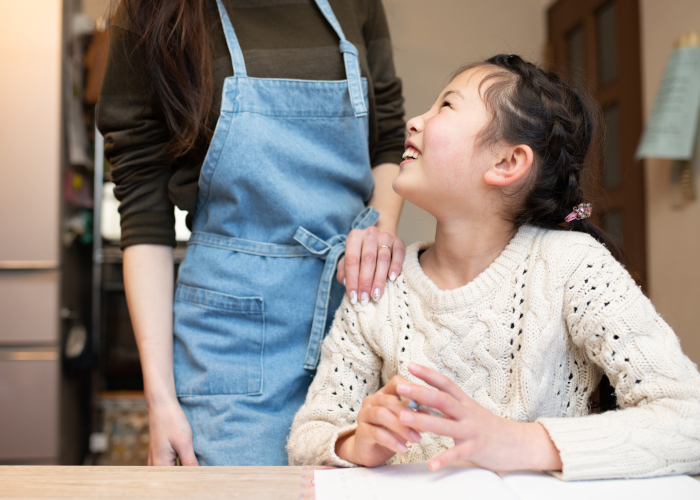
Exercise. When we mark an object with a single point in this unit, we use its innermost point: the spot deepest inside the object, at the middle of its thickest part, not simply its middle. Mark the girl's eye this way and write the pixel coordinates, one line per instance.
(446, 103)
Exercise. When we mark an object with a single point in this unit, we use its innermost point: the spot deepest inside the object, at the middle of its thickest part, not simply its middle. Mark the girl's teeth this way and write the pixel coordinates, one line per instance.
(411, 154)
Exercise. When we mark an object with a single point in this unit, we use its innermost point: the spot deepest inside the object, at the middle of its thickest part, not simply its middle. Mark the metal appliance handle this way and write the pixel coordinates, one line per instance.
(29, 354)
(29, 265)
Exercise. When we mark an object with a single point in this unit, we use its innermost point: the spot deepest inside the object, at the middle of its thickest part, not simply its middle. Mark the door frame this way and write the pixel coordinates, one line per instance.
(625, 91)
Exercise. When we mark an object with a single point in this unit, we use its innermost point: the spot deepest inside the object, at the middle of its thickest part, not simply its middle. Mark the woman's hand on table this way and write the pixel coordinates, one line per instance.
(481, 437)
(379, 434)
(371, 256)
(170, 435)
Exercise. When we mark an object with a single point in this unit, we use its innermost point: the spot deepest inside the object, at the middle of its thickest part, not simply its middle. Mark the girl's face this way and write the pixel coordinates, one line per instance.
(444, 167)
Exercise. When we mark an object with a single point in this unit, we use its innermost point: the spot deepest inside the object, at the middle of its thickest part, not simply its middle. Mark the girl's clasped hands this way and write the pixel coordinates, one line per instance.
(385, 425)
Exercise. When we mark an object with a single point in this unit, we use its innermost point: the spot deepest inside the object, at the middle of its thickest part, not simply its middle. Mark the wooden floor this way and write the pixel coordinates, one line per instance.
(260, 483)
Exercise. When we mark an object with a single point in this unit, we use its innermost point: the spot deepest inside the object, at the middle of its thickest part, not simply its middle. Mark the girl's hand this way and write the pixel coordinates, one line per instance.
(170, 435)
(379, 434)
(368, 263)
(481, 437)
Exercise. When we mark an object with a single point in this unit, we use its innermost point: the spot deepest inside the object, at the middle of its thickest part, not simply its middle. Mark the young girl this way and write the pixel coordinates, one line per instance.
(507, 322)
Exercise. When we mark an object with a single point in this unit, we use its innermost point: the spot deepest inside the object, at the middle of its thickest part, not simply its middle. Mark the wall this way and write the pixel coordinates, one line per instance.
(673, 235)
(95, 9)
(432, 39)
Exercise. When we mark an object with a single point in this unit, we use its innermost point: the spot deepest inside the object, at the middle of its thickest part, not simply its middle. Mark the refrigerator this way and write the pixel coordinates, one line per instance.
(30, 267)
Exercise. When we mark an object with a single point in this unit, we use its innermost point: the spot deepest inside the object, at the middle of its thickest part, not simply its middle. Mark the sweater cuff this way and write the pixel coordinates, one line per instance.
(333, 458)
(591, 447)
(148, 228)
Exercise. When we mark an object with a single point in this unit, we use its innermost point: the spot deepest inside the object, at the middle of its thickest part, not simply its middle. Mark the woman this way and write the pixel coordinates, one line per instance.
(271, 196)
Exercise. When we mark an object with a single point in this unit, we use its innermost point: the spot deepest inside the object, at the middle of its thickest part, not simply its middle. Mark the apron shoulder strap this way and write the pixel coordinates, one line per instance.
(234, 47)
(350, 58)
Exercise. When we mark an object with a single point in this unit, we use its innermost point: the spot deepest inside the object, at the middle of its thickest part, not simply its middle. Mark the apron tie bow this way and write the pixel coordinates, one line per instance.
(329, 251)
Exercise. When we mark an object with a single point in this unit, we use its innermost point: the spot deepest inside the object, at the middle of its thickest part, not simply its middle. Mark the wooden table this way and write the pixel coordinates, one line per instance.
(133, 483)
(259, 483)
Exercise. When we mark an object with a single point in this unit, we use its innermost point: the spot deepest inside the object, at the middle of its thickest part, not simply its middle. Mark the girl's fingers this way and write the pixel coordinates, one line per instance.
(390, 387)
(439, 381)
(384, 252)
(386, 400)
(434, 399)
(353, 252)
(368, 265)
(424, 422)
(387, 439)
(383, 417)
(447, 457)
(397, 255)
(395, 407)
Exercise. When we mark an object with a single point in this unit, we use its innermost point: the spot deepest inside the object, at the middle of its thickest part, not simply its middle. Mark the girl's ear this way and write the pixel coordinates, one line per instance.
(512, 164)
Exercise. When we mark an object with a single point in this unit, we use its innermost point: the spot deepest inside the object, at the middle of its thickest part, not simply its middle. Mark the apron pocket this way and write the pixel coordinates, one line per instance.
(218, 344)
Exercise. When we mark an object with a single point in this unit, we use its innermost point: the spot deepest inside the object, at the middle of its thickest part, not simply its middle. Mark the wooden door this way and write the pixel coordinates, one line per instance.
(596, 44)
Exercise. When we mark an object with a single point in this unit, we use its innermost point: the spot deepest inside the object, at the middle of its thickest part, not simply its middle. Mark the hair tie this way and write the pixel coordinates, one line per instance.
(582, 211)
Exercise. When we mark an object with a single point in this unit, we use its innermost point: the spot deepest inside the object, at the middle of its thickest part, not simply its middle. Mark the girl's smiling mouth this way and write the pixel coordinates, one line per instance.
(411, 153)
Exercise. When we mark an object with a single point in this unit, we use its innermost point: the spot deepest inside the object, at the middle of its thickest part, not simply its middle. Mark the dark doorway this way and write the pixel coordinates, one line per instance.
(596, 44)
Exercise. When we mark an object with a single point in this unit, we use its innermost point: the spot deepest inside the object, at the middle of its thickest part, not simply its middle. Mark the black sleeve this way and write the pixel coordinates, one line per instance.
(135, 140)
(387, 88)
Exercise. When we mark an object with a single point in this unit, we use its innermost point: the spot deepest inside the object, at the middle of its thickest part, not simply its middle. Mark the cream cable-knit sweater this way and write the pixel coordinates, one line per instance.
(528, 339)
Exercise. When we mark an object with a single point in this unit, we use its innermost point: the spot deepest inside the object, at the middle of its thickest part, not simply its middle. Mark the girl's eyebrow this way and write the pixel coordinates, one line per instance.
(456, 92)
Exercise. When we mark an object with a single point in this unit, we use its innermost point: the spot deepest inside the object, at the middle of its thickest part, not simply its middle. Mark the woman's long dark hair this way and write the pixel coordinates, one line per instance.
(176, 42)
(535, 107)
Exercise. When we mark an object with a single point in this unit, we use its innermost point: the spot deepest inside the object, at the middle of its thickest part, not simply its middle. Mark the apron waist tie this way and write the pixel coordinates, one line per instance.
(330, 252)
(309, 244)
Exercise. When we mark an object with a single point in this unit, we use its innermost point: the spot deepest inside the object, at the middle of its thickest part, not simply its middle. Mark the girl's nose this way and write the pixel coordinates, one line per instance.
(415, 124)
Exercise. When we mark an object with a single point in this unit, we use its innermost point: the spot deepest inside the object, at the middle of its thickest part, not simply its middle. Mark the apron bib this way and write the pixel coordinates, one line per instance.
(286, 177)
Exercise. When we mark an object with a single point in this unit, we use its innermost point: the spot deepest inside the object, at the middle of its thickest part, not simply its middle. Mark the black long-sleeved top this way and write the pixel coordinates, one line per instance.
(279, 39)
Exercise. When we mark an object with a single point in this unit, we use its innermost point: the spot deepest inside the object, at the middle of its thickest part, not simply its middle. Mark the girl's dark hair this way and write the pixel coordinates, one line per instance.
(178, 52)
(535, 107)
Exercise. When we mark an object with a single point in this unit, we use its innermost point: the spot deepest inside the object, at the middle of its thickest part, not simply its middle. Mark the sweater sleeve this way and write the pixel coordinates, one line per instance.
(656, 431)
(349, 370)
(390, 133)
(134, 141)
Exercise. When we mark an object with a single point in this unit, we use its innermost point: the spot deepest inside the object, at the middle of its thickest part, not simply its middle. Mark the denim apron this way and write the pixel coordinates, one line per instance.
(286, 177)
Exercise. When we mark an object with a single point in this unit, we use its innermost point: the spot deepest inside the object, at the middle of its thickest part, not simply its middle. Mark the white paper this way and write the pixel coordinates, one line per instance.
(415, 481)
(410, 482)
(540, 486)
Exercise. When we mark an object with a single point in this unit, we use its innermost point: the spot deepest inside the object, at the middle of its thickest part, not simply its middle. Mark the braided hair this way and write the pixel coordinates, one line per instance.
(535, 107)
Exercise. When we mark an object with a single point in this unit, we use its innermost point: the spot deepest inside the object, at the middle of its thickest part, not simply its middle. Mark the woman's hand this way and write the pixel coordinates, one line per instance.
(379, 434)
(170, 435)
(481, 437)
(371, 255)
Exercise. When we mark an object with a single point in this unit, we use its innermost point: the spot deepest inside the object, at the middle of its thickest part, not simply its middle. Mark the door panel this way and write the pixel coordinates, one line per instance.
(28, 404)
(606, 28)
(28, 307)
